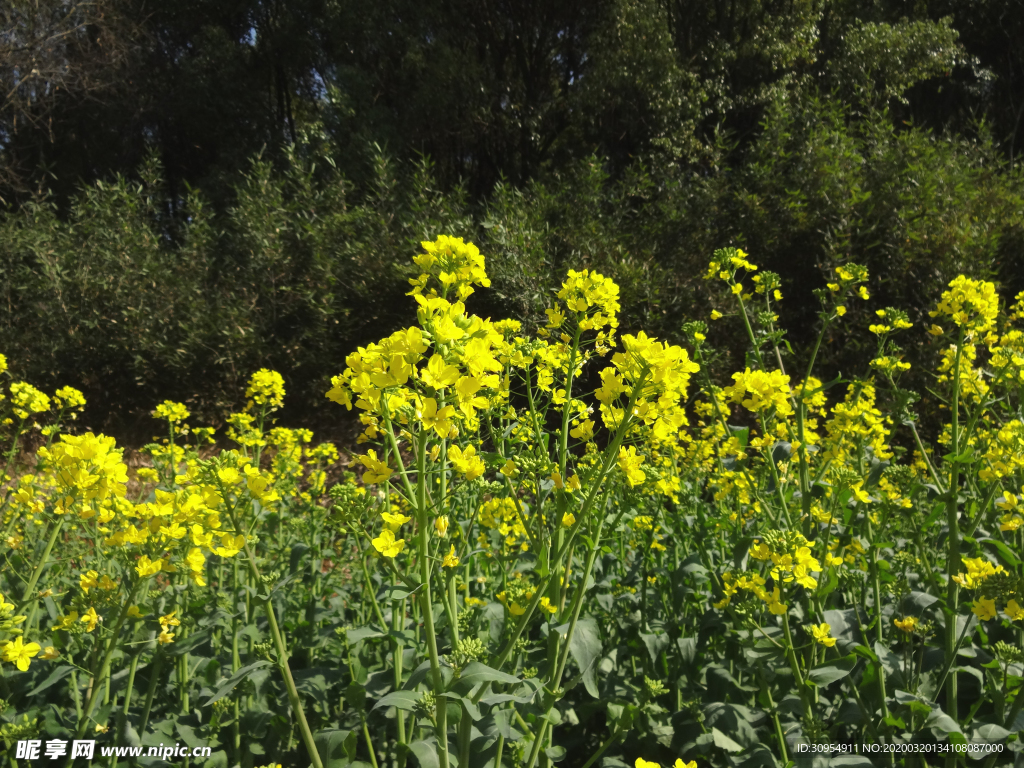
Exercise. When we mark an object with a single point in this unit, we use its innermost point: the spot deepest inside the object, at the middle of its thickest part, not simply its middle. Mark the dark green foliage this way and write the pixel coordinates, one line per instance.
(135, 302)
(137, 297)
(273, 179)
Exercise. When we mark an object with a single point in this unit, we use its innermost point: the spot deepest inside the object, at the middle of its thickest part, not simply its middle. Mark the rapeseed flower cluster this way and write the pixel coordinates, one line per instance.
(760, 391)
(790, 557)
(972, 305)
(456, 265)
(27, 400)
(594, 301)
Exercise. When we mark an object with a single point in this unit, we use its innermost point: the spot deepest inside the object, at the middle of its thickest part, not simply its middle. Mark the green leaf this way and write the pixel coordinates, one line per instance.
(1004, 552)
(742, 434)
(355, 696)
(875, 474)
(955, 737)
(940, 722)
(762, 649)
(991, 732)
(425, 752)
(517, 696)
(467, 703)
(500, 722)
(475, 672)
(724, 742)
(398, 593)
(850, 761)
(362, 633)
(892, 664)
(829, 671)
(555, 754)
(687, 648)
(188, 735)
(336, 747)
(963, 458)
(937, 511)
(585, 647)
(52, 679)
(829, 586)
(235, 679)
(758, 756)
(916, 602)
(781, 451)
(829, 384)
(655, 644)
(867, 653)
(492, 459)
(186, 645)
(403, 700)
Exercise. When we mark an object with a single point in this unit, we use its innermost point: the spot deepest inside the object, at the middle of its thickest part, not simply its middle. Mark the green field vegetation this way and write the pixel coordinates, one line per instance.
(474, 384)
(566, 547)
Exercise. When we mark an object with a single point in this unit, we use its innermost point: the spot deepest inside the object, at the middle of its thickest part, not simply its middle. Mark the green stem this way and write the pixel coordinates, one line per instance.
(801, 415)
(794, 664)
(877, 590)
(123, 720)
(423, 541)
(26, 596)
(952, 658)
(563, 448)
(604, 747)
(924, 456)
(398, 624)
(282, 659)
(104, 667)
(750, 332)
(154, 678)
(779, 735)
(501, 748)
(952, 522)
(369, 745)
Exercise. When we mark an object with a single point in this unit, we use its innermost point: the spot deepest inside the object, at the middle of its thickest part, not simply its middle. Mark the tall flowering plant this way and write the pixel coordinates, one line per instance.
(488, 447)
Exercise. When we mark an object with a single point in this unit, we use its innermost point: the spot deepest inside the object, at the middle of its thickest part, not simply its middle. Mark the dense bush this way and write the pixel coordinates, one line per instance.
(136, 294)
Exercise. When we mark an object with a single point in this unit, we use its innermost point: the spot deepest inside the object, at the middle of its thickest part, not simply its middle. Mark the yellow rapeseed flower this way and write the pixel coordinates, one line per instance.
(146, 567)
(19, 653)
(466, 461)
(90, 618)
(821, 634)
(376, 470)
(171, 411)
(266, 387)
(439, 420)
(971, 304)
(984, 608)
(1013, 610)
(759, 391)
(907, 624)
(387, 545)
(450, 560)
(629, 462)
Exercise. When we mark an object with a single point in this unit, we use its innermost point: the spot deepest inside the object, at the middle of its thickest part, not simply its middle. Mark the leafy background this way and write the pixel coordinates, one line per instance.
(197, 189)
